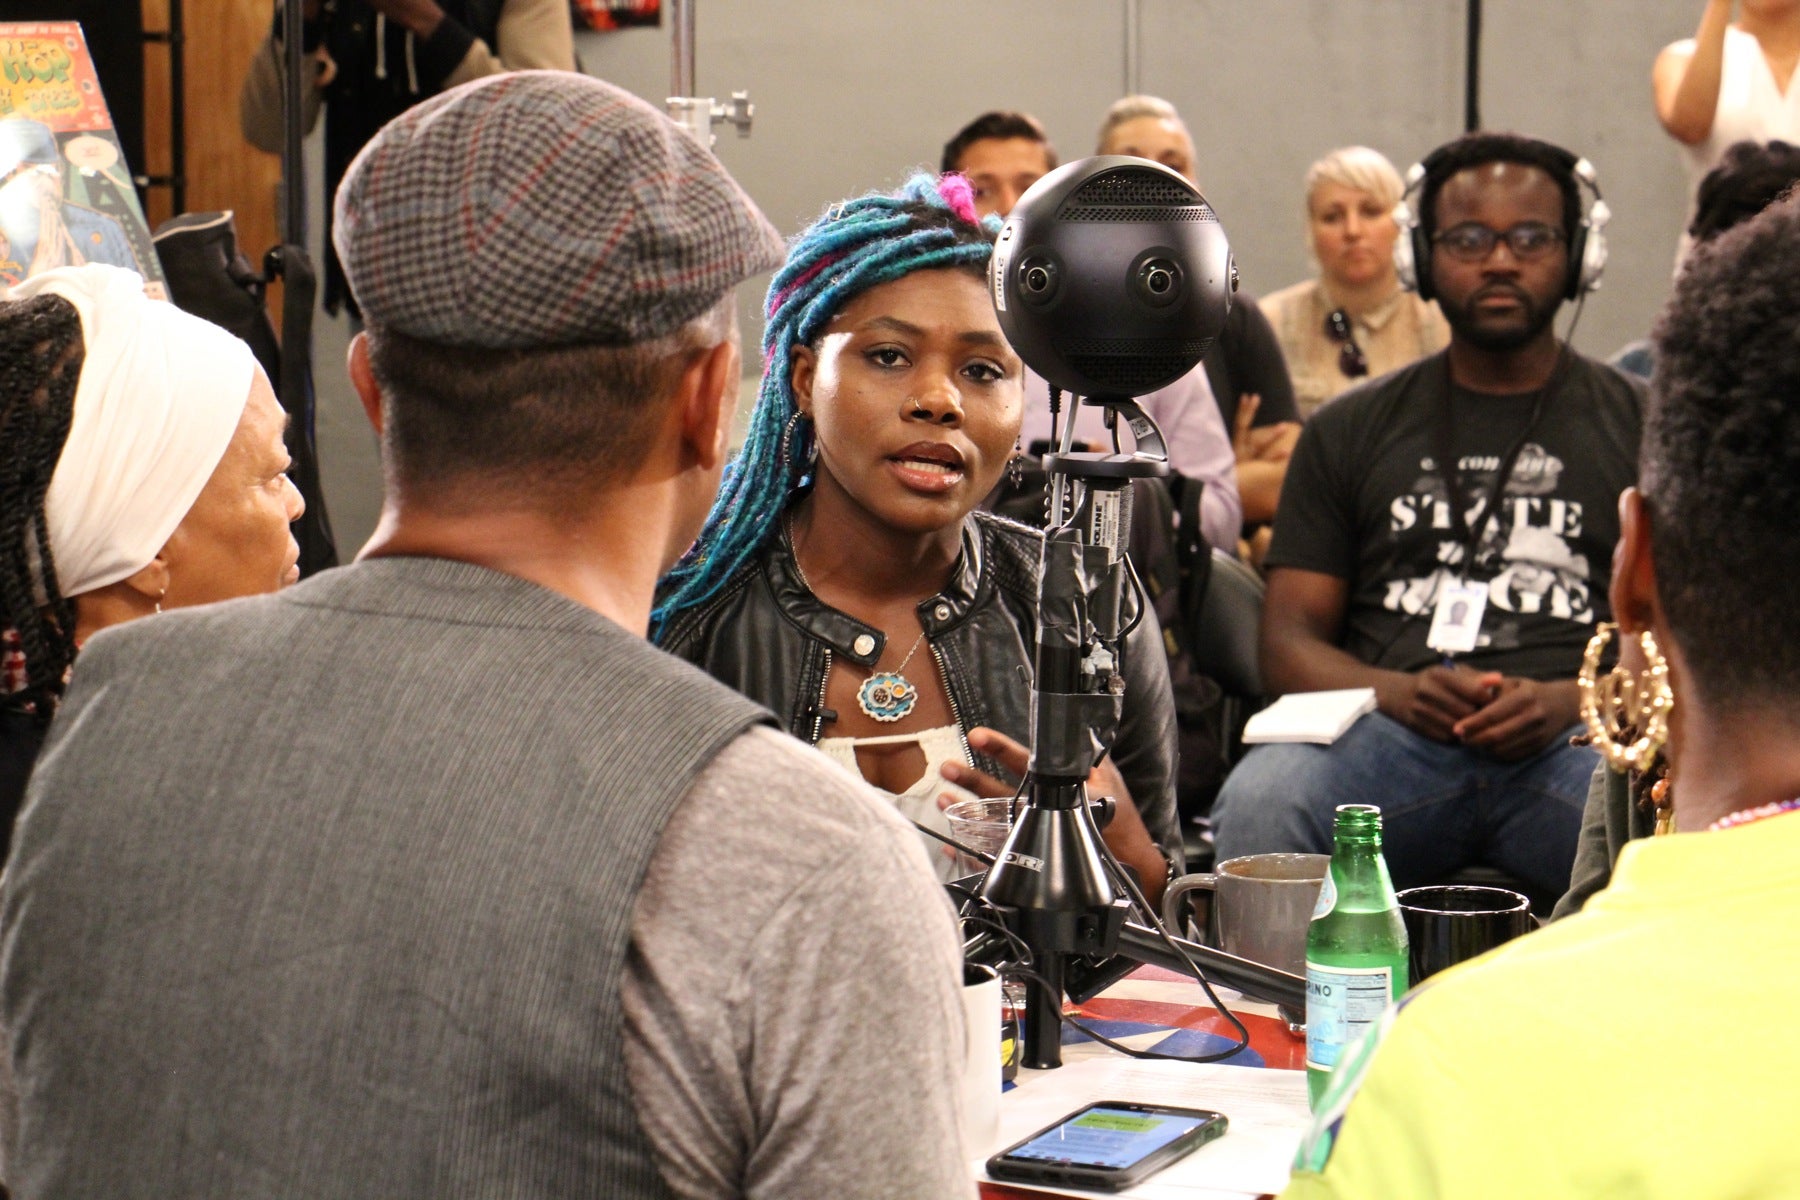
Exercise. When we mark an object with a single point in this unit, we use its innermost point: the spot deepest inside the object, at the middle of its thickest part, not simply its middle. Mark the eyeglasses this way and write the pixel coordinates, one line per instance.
(1472, 242)
(1350, 356)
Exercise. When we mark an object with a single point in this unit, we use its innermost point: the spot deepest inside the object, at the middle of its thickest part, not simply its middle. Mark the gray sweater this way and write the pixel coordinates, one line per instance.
(337, 893)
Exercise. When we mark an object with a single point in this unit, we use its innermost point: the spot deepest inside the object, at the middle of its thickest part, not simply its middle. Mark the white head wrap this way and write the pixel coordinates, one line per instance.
(159, 397)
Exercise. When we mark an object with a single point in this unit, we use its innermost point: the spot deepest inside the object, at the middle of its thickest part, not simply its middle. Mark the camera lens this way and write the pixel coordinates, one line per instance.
(1040, 280)
(1158, 281)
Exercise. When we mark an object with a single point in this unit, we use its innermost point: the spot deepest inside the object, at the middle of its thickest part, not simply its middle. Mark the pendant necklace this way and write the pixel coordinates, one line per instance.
(885, 696)
(890, 695)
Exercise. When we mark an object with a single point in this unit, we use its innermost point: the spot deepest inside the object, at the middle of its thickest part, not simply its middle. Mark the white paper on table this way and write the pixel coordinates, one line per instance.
(1266, 1107)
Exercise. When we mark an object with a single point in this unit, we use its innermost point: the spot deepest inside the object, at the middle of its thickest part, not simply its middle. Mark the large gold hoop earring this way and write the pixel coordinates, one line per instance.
(1625, 703)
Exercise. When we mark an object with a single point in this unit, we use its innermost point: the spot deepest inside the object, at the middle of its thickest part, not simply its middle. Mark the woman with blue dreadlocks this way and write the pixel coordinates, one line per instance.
(844, 577)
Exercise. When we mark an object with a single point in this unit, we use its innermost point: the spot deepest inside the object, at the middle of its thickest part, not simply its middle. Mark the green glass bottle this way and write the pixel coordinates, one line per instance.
(1356, 947)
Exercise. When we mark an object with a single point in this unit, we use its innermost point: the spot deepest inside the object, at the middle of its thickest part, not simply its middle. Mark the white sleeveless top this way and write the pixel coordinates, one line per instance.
(918, 803)
(1751, 109)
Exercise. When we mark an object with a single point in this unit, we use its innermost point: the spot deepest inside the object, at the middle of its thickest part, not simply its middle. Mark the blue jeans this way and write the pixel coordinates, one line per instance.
(1443, 807)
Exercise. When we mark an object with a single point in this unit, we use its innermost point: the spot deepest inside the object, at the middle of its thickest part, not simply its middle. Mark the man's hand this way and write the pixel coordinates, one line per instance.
(1509, 718)
(1126, 835)
(1434, 700)
(1521, 719)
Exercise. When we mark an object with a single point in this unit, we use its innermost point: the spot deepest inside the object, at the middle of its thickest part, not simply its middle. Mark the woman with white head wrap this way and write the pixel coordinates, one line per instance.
(141, 468)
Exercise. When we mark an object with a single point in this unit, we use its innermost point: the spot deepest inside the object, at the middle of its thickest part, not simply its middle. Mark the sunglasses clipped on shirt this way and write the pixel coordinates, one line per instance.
(1472, 242)
(1350, 356)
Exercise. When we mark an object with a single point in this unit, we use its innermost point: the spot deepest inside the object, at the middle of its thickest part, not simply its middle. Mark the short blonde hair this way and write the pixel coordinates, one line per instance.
(1356, 167)
(1130, 108)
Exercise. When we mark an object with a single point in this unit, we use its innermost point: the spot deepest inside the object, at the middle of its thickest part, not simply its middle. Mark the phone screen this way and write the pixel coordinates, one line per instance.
(1109, 1137)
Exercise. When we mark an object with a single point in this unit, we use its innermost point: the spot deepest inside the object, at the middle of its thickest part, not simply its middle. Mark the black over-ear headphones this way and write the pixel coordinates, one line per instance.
(1587, 241)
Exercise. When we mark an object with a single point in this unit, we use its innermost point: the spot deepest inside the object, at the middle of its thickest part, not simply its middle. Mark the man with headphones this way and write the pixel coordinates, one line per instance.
(1482, 481)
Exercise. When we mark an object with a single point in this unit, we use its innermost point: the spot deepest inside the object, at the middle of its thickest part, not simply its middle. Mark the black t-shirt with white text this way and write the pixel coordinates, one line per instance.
(1364, 501)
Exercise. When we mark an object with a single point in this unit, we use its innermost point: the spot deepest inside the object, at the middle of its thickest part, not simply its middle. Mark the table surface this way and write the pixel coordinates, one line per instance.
(1157, 1009)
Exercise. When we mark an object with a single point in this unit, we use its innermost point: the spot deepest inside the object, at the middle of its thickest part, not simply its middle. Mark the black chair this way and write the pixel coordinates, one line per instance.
(1224, 633)
(1223, 629)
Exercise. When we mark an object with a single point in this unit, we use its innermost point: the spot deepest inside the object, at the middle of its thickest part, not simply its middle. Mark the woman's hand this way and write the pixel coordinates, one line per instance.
(1125, 835)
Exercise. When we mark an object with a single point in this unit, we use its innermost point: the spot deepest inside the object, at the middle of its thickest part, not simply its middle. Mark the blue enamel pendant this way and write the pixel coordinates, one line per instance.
(887, 696)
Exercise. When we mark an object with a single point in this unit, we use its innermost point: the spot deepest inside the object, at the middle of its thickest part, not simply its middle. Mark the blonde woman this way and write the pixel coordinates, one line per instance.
(1352, 322)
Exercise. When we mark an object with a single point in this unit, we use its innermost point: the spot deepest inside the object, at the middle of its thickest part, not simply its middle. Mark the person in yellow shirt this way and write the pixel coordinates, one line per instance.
(1626, 1051)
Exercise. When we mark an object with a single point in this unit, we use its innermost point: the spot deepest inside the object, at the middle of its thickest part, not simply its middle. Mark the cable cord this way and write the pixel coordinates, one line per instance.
(977, 913)
(1242, 1032)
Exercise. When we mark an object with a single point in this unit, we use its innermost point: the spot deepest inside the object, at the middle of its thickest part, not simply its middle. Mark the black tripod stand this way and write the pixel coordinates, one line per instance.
(1111, 277)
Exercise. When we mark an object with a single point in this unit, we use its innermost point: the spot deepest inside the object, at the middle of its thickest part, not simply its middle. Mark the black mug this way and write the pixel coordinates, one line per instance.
(1451, 923)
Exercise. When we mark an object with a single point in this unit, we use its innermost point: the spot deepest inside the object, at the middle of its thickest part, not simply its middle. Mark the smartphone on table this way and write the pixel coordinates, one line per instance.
(1108, 1146)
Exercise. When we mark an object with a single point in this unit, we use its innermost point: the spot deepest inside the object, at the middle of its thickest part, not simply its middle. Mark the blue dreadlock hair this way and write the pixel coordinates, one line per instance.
(856, 245)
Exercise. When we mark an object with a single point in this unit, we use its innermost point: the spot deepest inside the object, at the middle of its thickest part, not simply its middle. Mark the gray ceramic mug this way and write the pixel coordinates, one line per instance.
(1262, 907)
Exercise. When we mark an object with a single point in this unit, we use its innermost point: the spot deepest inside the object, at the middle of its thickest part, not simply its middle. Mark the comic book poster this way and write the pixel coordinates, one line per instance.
(65, 189)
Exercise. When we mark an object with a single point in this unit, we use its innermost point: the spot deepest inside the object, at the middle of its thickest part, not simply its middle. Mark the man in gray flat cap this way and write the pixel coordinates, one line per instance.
(431, 877)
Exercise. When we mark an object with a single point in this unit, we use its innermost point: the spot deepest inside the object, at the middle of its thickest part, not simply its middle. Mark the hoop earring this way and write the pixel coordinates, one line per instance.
(788, 433)
(159, 599)
(1625, 703)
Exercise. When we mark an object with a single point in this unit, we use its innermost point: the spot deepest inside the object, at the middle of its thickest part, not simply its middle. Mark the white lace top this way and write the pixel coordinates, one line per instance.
(918, 803)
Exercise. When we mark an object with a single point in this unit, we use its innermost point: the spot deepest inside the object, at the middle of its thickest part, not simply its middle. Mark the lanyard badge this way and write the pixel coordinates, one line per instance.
(1456, 623)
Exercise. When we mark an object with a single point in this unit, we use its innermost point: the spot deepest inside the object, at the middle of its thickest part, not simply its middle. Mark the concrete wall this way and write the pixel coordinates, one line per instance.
(850, 95)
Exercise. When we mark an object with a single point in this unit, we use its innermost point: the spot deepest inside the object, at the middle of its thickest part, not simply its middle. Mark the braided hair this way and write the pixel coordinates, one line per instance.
(41, 353)
(856, 245)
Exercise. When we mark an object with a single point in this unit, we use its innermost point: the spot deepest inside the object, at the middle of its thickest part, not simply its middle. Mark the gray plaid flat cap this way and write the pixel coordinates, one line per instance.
(542, 208)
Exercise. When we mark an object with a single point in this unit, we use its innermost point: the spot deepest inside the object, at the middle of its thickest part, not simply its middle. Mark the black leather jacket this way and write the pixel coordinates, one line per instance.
(769, 637)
